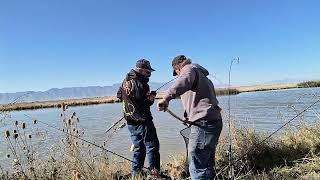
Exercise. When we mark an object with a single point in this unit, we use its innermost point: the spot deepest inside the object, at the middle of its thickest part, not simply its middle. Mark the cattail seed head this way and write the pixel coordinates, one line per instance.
(23, 125)
(74, 129)
(30, 136)
(63, 106)
(35, 121)
(15, 162)
(15, 131)
(77, 132)
(15, 136)
(69, 122)
(78, 120)
(8, 155)
(7, 134)
(74, 114)
(24, 148)
(16, 123)
(61, 115)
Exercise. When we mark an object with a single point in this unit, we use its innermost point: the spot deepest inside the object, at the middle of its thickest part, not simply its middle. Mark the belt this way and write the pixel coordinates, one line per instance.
(202, 122)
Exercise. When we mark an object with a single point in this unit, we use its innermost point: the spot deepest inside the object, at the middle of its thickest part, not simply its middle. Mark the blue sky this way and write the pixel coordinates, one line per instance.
(66, 43)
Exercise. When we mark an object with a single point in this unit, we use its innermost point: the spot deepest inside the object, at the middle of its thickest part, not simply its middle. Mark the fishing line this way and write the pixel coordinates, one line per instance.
(259, 144)
(230, 153)
(91, 143)
(117, 122)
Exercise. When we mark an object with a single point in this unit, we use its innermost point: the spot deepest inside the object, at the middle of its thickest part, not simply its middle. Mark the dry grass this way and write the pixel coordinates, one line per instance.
(177, 167)
(293, 155)
(267, 87)
(308, 84)
(57, 103)
(70, 158)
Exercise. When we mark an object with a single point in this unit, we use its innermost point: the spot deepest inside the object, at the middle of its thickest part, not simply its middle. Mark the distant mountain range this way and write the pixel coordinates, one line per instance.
(84, 92)
(66, 93)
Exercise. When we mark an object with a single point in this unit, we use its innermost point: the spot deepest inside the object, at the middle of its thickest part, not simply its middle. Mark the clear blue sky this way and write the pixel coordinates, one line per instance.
(65, 43)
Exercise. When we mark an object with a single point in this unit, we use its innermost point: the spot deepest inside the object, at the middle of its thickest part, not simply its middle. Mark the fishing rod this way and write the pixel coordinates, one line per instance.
(5, 112)
(230, 153)
(117, 122)
(166, 84)
(84, 140)
(259, 144)
(185, 122)
(114, 124)
(185, 133)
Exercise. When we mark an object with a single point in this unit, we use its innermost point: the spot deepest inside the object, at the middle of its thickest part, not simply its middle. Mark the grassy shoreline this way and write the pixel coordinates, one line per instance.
(292, 155)
(113, 99)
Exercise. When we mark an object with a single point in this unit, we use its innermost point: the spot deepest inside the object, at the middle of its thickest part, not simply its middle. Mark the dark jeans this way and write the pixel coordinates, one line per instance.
(145, 140)
(202, 147)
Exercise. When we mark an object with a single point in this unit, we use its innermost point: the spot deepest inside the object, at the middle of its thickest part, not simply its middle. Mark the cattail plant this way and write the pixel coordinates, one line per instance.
(63, 107)
(7, 134)
(12, 147)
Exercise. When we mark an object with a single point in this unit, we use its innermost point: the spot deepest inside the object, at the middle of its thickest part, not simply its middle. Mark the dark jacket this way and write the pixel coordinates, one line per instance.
(133, 93)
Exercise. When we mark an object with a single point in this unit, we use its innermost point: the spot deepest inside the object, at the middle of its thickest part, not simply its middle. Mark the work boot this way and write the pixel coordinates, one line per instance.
(153, 174)
(137, 175)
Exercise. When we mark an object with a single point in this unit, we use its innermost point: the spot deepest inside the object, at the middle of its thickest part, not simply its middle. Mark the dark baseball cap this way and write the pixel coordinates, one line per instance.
(177, 60)
(144, 64)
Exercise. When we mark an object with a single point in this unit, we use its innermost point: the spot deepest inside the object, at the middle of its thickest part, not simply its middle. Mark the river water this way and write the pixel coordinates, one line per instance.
(264, 111)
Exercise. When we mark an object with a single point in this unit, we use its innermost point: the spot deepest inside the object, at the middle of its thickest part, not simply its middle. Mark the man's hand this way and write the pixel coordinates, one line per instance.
(152, 95)
(163, 105)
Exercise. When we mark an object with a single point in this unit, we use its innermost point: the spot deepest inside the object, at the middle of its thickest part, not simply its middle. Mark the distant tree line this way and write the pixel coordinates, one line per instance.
(307, 84)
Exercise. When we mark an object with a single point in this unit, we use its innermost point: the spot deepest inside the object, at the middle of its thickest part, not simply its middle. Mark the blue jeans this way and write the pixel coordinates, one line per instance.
(202, 147)
(145, 140)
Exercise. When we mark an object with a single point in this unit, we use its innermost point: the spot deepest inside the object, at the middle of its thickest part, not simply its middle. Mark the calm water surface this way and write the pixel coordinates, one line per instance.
(264, 111)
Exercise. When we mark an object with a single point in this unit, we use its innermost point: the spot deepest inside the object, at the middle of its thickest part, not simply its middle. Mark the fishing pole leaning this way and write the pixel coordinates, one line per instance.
(166, 84)
(264, 140)
(84, 140)
(116, 123)
(230, 153)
